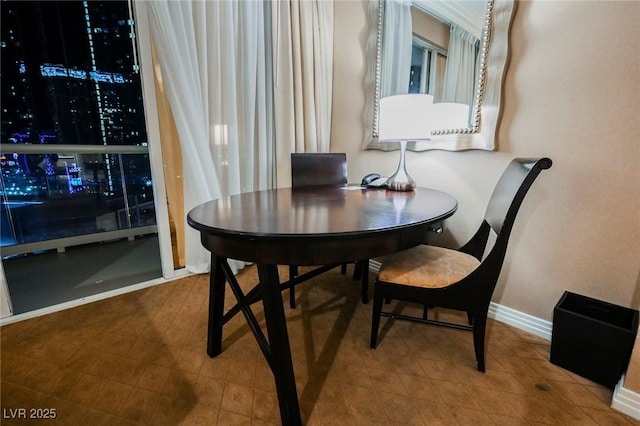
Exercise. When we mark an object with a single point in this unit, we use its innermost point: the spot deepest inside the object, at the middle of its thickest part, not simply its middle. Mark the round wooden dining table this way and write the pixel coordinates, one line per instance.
(321, 225)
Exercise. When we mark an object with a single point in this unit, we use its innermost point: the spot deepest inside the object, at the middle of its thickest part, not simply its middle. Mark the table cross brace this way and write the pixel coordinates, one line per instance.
(244, 302)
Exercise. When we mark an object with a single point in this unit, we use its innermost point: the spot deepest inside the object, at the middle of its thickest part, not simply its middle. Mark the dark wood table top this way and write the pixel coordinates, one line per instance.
(309, 225)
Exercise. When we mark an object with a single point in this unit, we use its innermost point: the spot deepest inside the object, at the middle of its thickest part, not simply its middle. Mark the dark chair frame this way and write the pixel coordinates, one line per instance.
(321, 169)
(473, 293)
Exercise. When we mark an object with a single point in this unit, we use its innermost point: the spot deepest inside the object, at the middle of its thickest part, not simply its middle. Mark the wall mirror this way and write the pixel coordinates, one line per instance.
(455, 50)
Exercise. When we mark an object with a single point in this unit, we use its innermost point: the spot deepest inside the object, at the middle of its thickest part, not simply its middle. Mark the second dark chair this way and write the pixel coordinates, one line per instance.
(318, 169)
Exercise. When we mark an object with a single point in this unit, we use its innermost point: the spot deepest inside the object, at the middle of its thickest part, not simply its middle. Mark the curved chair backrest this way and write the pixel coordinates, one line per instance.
(501, 212)
(509, 192)
(312, 169)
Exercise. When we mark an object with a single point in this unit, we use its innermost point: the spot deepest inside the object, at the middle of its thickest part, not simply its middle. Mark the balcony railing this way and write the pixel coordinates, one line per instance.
(56, 196)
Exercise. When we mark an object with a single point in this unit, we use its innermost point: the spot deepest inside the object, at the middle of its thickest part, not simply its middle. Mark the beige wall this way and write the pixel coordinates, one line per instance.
(429, 28)
(572, 93)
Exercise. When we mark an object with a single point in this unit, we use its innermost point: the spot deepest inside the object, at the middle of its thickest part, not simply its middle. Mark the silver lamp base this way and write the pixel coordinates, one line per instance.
(400, 180)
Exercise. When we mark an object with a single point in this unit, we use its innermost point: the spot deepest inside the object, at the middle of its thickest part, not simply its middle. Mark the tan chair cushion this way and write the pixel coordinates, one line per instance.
(427, 266)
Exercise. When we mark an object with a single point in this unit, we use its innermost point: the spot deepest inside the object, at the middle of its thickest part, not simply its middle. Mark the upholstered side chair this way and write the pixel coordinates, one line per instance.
(463, 279)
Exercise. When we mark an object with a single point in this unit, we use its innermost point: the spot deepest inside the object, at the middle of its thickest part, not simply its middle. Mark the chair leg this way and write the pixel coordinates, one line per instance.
(375, 318)
(357, 271)
(364, 270)
(425, 311)
(293, 272)
(479, 328)
(343, 268)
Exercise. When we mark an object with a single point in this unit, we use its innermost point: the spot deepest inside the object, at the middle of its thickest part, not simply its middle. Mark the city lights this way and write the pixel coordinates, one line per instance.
(80, 88)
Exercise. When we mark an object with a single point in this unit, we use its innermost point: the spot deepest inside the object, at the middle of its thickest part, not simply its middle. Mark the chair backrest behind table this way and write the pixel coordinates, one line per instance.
(312, 169)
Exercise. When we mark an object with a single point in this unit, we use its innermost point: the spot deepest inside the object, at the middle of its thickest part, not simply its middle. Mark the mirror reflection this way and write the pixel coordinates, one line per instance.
(442, 49)
(432, 47)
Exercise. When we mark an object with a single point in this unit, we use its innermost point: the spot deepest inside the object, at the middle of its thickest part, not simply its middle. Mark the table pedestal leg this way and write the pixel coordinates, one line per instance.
(281, 363)
(216, 306)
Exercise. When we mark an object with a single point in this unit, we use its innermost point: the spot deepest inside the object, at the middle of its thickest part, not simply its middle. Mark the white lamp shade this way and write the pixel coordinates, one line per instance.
(413, 117)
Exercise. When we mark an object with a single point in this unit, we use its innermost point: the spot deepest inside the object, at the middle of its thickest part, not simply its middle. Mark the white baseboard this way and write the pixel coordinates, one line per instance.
(374, 266)
(521, 321)
(626, 401)
(623, 400)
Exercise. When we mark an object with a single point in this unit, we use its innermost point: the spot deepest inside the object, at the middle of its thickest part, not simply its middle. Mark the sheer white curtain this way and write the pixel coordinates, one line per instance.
(397, 41)
(460, 74)
(214, 68)
(303, 78)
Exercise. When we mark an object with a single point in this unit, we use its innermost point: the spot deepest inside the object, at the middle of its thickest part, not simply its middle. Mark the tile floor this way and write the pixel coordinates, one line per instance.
(140, 359)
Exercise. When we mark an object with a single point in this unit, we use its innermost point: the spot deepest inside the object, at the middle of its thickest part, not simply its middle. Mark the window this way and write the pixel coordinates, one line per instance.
(74, 157)
(427, 68)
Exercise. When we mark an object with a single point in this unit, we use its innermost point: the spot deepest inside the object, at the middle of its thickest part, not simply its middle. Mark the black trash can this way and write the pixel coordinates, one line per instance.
(592, 338)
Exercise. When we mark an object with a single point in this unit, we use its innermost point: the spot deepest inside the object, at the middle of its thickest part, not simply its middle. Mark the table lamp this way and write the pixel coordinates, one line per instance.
(404, 118)
(414, 117)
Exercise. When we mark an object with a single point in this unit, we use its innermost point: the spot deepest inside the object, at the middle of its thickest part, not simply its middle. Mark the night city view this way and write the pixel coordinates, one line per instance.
(70, 78)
